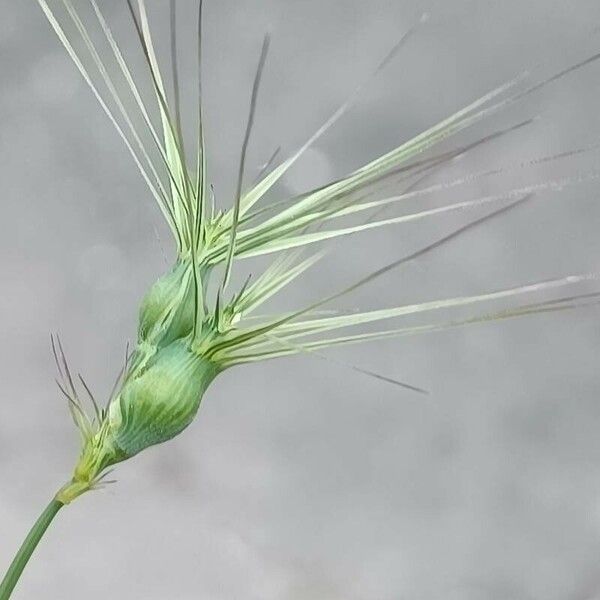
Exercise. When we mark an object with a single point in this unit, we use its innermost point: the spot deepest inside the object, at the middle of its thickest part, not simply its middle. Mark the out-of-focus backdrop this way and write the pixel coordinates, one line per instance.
(302, 478)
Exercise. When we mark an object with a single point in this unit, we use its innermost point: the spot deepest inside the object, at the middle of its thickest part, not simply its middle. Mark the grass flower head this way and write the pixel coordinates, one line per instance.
(195, 322)
(192, 324)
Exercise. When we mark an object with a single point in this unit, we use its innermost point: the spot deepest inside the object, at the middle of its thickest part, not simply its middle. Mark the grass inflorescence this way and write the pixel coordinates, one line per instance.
(194, 323)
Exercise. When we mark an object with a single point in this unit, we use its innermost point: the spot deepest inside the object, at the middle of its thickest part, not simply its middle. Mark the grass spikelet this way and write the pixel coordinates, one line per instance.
(192, 326)
(187, 334)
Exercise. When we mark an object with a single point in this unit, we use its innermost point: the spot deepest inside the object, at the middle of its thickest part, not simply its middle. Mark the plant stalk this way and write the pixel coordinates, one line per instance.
(27, 548)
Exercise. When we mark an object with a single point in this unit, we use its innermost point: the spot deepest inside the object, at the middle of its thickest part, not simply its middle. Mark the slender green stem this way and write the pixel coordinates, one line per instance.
(26, 550)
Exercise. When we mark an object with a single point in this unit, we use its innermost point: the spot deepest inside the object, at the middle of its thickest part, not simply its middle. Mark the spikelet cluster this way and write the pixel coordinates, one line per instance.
(192, 325)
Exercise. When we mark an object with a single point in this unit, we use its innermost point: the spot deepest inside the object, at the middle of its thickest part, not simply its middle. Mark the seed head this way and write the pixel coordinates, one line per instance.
(192, 326)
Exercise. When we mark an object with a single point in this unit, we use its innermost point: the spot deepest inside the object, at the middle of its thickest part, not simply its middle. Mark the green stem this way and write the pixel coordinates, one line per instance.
(26, 550)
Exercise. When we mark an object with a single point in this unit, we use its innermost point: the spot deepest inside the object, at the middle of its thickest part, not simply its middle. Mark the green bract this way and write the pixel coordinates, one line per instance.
(191, 325)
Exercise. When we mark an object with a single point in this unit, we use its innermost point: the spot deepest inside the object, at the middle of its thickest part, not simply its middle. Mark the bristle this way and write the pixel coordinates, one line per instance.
(266, 167)
(301, 349)
(175, 69)
(244, 151)
(97, 411)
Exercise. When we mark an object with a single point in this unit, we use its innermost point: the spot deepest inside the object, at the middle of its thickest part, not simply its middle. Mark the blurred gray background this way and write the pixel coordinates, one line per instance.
(302, 478)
